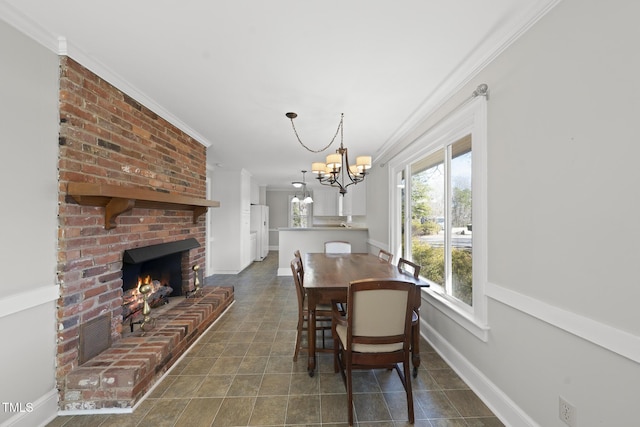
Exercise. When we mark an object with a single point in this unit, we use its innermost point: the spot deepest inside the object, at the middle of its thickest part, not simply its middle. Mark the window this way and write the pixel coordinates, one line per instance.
(438, 212)
(441, 240)
(299, 213)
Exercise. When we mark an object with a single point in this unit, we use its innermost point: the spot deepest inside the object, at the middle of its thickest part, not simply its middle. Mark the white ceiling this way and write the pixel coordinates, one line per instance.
(226, 72)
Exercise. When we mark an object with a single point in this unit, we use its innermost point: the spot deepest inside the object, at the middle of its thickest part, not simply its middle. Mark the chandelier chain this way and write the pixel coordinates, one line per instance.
(338, 130)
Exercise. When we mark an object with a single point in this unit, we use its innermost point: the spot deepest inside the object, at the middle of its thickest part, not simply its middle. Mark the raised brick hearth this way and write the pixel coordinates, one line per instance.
(121, 375)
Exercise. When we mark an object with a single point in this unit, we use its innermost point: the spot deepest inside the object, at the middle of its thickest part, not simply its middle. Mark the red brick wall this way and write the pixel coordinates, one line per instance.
(106, 136)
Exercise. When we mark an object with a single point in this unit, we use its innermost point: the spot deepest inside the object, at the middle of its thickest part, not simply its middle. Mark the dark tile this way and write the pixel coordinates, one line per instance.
(304, 384)
(333, 408)
(245, 385)
(331, 383)
(234, 411)
(370, 407)
(365, 382)
(253, 365)
(303, 410)
(235, 349)
(199, 413)
(424, 381)
(397, 404)
(183, 386)
(468, 403)
(279, 365)
(214, 386)
(449, 422)
(269, 410)
(432, 361)
(198, 366)
(275, 385)
(435, 404)
(484, 422)
(388, 380)
(225, 366)
(162, 386)
(447, 379)
(165, 412)
(128, 420)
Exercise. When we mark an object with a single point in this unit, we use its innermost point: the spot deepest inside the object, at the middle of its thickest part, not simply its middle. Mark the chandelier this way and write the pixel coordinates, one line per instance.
(336, 170)
(306, 197)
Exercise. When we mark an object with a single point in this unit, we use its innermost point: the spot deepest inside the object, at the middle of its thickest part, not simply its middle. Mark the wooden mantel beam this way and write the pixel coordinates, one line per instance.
(117, 199)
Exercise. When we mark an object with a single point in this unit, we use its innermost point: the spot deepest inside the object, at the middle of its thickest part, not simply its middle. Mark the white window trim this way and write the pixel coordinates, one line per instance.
(470, 118)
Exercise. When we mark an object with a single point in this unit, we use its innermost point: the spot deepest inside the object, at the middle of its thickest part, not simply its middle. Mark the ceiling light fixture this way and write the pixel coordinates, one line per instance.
(336, 170)
(302, 184)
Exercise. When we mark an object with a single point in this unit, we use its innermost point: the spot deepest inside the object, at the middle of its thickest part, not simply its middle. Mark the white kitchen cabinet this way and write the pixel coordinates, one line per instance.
(329, 202)
(325, 202)
(231, 240)
(355, 201)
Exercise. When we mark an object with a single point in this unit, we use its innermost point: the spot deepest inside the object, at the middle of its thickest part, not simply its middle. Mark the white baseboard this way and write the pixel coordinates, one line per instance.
(284, 271)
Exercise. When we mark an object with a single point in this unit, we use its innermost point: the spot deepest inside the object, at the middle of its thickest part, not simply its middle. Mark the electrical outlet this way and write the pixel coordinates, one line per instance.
(567, 412)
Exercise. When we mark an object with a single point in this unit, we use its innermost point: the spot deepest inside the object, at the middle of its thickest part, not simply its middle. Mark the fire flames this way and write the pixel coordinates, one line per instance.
(133, 298)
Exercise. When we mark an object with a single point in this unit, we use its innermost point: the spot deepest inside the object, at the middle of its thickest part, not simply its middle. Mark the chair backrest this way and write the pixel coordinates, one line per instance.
(337, 247)
(296, 270)
(379, 318)
(298, 255)
(385, 256)
(407, 267)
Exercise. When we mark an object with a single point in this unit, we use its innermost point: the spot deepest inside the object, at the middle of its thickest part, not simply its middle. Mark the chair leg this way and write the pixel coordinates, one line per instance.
(336, 349)
(298, 337)
(349, 391)
(409, 391)
(415, 342)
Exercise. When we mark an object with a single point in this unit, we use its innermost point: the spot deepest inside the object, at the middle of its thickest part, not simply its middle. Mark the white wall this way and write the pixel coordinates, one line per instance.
(563, 245)
(278, 202)
(378, 208)
(29, 138)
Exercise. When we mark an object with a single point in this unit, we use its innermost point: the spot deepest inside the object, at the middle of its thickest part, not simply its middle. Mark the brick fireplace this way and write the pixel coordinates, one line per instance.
(109, 140)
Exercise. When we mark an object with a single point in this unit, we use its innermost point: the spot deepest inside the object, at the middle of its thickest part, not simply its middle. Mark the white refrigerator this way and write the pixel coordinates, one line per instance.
(260, 225)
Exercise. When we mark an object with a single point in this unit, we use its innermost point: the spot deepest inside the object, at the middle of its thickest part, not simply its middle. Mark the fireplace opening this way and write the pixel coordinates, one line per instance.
(166, 270)
(161, 267)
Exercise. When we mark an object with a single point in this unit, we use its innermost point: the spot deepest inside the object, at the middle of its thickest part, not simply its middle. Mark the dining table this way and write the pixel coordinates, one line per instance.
(327, 278)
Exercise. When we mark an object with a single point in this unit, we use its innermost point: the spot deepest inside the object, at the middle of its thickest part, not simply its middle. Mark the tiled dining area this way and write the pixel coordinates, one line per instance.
(241, 373)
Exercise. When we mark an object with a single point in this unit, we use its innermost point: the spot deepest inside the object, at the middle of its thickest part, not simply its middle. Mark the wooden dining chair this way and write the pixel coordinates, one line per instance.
(407, 267)
(323, 311)
(374, 333)
(337, 247)
(385, 256)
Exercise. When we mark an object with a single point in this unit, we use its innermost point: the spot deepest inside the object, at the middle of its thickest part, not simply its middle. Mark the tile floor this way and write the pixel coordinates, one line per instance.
(241, 373)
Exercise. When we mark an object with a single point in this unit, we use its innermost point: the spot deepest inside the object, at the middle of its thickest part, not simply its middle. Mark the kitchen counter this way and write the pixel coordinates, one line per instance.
(311, 239)
(323, 227)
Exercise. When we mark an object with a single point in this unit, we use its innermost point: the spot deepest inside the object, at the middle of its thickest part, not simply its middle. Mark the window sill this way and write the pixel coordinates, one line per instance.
(451, 310)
